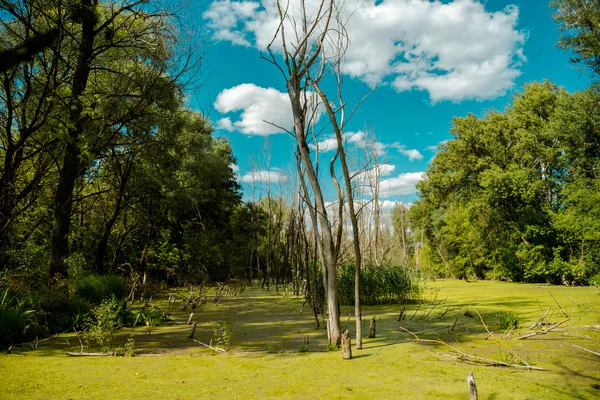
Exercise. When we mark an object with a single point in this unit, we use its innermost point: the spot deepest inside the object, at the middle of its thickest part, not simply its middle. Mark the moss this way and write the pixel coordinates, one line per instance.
(390, 366)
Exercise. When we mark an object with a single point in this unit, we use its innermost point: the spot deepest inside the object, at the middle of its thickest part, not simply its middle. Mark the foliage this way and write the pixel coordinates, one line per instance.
(385, 284)
(96, 288)
(514, 195)
(594, 280)
(12, 324)
(508, 319)
(222, 333)
(104, 320)
(152, 316)
(579, 20)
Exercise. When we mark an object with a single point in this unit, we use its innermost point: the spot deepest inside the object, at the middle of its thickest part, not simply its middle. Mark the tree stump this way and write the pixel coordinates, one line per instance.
(472, 387)
(372, 328)
(192, 331)
(346, 348)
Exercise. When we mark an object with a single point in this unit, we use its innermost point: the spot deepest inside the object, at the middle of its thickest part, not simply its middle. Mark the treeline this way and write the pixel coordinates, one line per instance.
(515, 194)
(103, 168)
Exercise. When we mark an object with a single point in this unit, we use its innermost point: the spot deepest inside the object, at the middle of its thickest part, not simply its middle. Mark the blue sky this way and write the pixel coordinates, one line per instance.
(464, 56)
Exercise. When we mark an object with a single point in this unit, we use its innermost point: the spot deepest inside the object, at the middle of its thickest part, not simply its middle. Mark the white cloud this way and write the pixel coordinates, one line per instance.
(386, 169)
(436, 148)
(257, 105)
(264, 111)
(275, 175)
(453, 50)
(324, 145)
(234, 168)
(226, 124)
(411, 154)
(402, 185)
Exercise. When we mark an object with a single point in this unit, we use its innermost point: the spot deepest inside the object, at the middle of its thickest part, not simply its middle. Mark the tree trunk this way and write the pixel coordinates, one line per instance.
(72, 166)
(351, 211)
(372, 326)
(472, 387)
(346, 346)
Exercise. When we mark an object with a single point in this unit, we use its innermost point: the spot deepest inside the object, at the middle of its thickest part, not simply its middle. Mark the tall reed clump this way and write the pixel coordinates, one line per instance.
(378, 284)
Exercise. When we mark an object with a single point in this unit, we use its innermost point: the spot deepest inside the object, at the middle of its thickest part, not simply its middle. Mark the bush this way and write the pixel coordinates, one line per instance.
(59, 312)
(97, 288)
(594, 279)
(104, 320)
(12, 324)
(508, 320)
(385, 284)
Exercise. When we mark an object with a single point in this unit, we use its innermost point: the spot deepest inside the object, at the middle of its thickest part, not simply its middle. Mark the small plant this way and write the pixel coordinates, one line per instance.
(507, 320)
(222, 334)
(130, 347)
(507, 358)
(595, 280)
(303, 348)
(103, 322)
(332, 347)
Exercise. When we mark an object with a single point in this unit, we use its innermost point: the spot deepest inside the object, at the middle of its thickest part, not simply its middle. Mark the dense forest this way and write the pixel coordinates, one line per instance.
(106, 171)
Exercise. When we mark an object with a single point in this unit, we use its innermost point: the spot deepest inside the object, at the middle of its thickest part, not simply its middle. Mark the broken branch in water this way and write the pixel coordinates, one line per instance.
(218, 349)
(588, 350)
(543, 332)
(471, 359)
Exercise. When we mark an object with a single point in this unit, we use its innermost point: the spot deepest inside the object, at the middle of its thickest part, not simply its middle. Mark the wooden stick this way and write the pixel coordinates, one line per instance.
(539, 321)
(543, 332)
(78, 338)
(210, 347)
(411, 318)
(559, 306)
(456, 320)
(588, 350)
(110, 353)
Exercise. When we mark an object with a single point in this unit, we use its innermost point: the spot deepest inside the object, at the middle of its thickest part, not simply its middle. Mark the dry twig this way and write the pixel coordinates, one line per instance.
(543, 332)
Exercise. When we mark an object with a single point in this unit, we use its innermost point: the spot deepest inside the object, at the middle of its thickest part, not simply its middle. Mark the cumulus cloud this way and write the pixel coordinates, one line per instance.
(436, 148)
(403, 184)
(412, 154)
(360, 139)
(275, 175)
(264, 111)
(234, 168)
(257, 105)
(324, 145)
(453, 50)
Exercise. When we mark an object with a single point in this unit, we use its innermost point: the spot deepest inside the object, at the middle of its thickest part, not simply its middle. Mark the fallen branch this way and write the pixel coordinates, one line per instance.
(468, 358)
(541, 320)
(543, 332)
(218, 349)
(588, 350)
(73, 354)
(559, 306)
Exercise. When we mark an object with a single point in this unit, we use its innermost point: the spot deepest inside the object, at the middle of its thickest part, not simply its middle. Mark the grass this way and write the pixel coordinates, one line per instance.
(268, 333)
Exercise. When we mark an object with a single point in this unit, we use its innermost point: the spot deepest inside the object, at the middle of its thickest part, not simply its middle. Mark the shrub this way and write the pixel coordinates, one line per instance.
(222, 333)
(97, 288)
(508, 320)
(12, 324)
(59, 312)
(385, 284)
(594, 279)
(104, 320)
